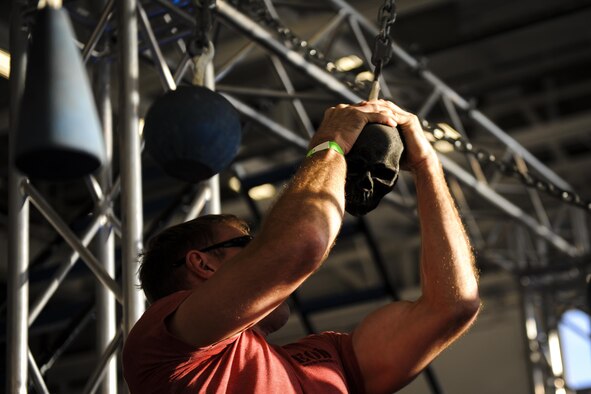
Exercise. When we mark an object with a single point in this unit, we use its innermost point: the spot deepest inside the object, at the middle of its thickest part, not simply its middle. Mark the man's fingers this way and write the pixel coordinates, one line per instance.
(383, 117)
(408, 120)
(394, 107)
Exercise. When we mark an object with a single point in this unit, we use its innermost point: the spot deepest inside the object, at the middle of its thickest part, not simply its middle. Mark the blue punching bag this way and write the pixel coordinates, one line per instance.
(58, 131)
(192, 133)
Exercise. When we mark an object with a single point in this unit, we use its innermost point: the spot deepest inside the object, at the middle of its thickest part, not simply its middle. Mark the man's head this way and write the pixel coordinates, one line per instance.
(162, 270)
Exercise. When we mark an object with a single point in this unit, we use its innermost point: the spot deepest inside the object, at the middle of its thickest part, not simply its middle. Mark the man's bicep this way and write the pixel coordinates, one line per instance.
(396, 342)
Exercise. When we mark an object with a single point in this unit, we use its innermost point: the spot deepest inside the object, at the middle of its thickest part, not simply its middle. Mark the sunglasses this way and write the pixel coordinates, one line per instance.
(238, 242)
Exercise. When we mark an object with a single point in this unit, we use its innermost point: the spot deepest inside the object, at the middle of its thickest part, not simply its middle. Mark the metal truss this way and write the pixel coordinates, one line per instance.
(154, 31)
(23, 369)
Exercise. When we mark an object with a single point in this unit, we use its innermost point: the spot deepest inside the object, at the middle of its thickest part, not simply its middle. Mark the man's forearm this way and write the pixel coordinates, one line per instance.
(447, 263)
(311, 209)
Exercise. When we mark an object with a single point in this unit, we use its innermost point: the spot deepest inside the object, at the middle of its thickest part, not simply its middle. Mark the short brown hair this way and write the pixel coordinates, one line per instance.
(158, 276)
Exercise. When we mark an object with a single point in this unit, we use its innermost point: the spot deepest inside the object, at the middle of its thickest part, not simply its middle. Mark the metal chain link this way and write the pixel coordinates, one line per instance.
(506, 168)
(382, 51)
(381, 56)
(204, 14)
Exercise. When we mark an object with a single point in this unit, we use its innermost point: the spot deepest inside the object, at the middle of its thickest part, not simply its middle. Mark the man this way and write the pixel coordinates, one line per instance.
(215, 299)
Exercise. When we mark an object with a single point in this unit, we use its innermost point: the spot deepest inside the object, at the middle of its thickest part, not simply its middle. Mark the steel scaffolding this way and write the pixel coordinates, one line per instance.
(542, 227)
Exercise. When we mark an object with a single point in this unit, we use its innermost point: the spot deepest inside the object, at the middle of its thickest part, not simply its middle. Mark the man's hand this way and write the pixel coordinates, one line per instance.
(344, 123)
(418, 150)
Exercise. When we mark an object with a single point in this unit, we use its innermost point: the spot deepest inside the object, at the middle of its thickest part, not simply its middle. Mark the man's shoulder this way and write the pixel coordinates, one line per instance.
(154, 317)
(165, 305)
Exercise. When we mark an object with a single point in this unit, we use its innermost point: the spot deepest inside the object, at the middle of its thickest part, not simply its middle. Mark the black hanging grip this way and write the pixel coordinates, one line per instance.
(373, 165)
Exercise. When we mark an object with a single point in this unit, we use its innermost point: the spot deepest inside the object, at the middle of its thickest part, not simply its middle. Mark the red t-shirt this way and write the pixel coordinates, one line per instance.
(155, 361)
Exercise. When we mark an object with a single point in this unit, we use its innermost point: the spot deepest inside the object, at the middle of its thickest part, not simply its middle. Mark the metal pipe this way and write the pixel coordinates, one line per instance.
(329, 28)
(185, 16)
(429, 103)
(237, 58)
(106, 308)
(62, 271)
(98, 31)
(196, 206)
(508, 207)
(106, 359)
(367, 52)
(278, 129)
(181, 70)
(115, 223)
(163, 70)
(263, 37)
(130, 162)
(36, 377)
(271, 93)
(456, 121)
(18, 224)
(62, 228)
(289, 88)
(520, 150)
(214, 203)
(68, 335)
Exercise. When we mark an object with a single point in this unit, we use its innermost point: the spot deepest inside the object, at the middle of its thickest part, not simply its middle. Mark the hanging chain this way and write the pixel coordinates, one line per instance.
(204, 13)
(381, 56)
(442, 133)
(382, 50)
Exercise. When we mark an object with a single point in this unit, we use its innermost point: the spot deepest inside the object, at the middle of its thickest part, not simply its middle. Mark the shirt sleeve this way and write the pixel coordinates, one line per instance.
(151, 346)
(342, 344)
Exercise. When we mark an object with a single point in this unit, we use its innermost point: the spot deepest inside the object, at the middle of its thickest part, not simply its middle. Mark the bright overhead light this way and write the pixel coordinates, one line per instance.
(365, 76)
(262, 192)
(348, 63)
(4, 64)
(555, 354)
(234, 184)
(141, 122)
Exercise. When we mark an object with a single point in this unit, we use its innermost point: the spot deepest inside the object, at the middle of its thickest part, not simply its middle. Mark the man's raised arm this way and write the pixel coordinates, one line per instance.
(292, 243)
(399, 340)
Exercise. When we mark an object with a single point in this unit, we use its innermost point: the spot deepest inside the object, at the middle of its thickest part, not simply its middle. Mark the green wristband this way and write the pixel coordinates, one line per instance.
(324, 146)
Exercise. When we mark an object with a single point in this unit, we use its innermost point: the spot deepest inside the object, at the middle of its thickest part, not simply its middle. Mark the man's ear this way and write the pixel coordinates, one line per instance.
(197, 263)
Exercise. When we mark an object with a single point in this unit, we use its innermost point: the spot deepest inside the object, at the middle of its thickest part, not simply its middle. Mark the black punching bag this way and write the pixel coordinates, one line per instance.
(192, 133)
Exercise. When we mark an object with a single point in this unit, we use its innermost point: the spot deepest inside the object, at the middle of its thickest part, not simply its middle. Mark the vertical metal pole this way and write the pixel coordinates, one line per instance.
(18, 219)
(105, 240)
(130, 162)
(533, 351)
(214, 205)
